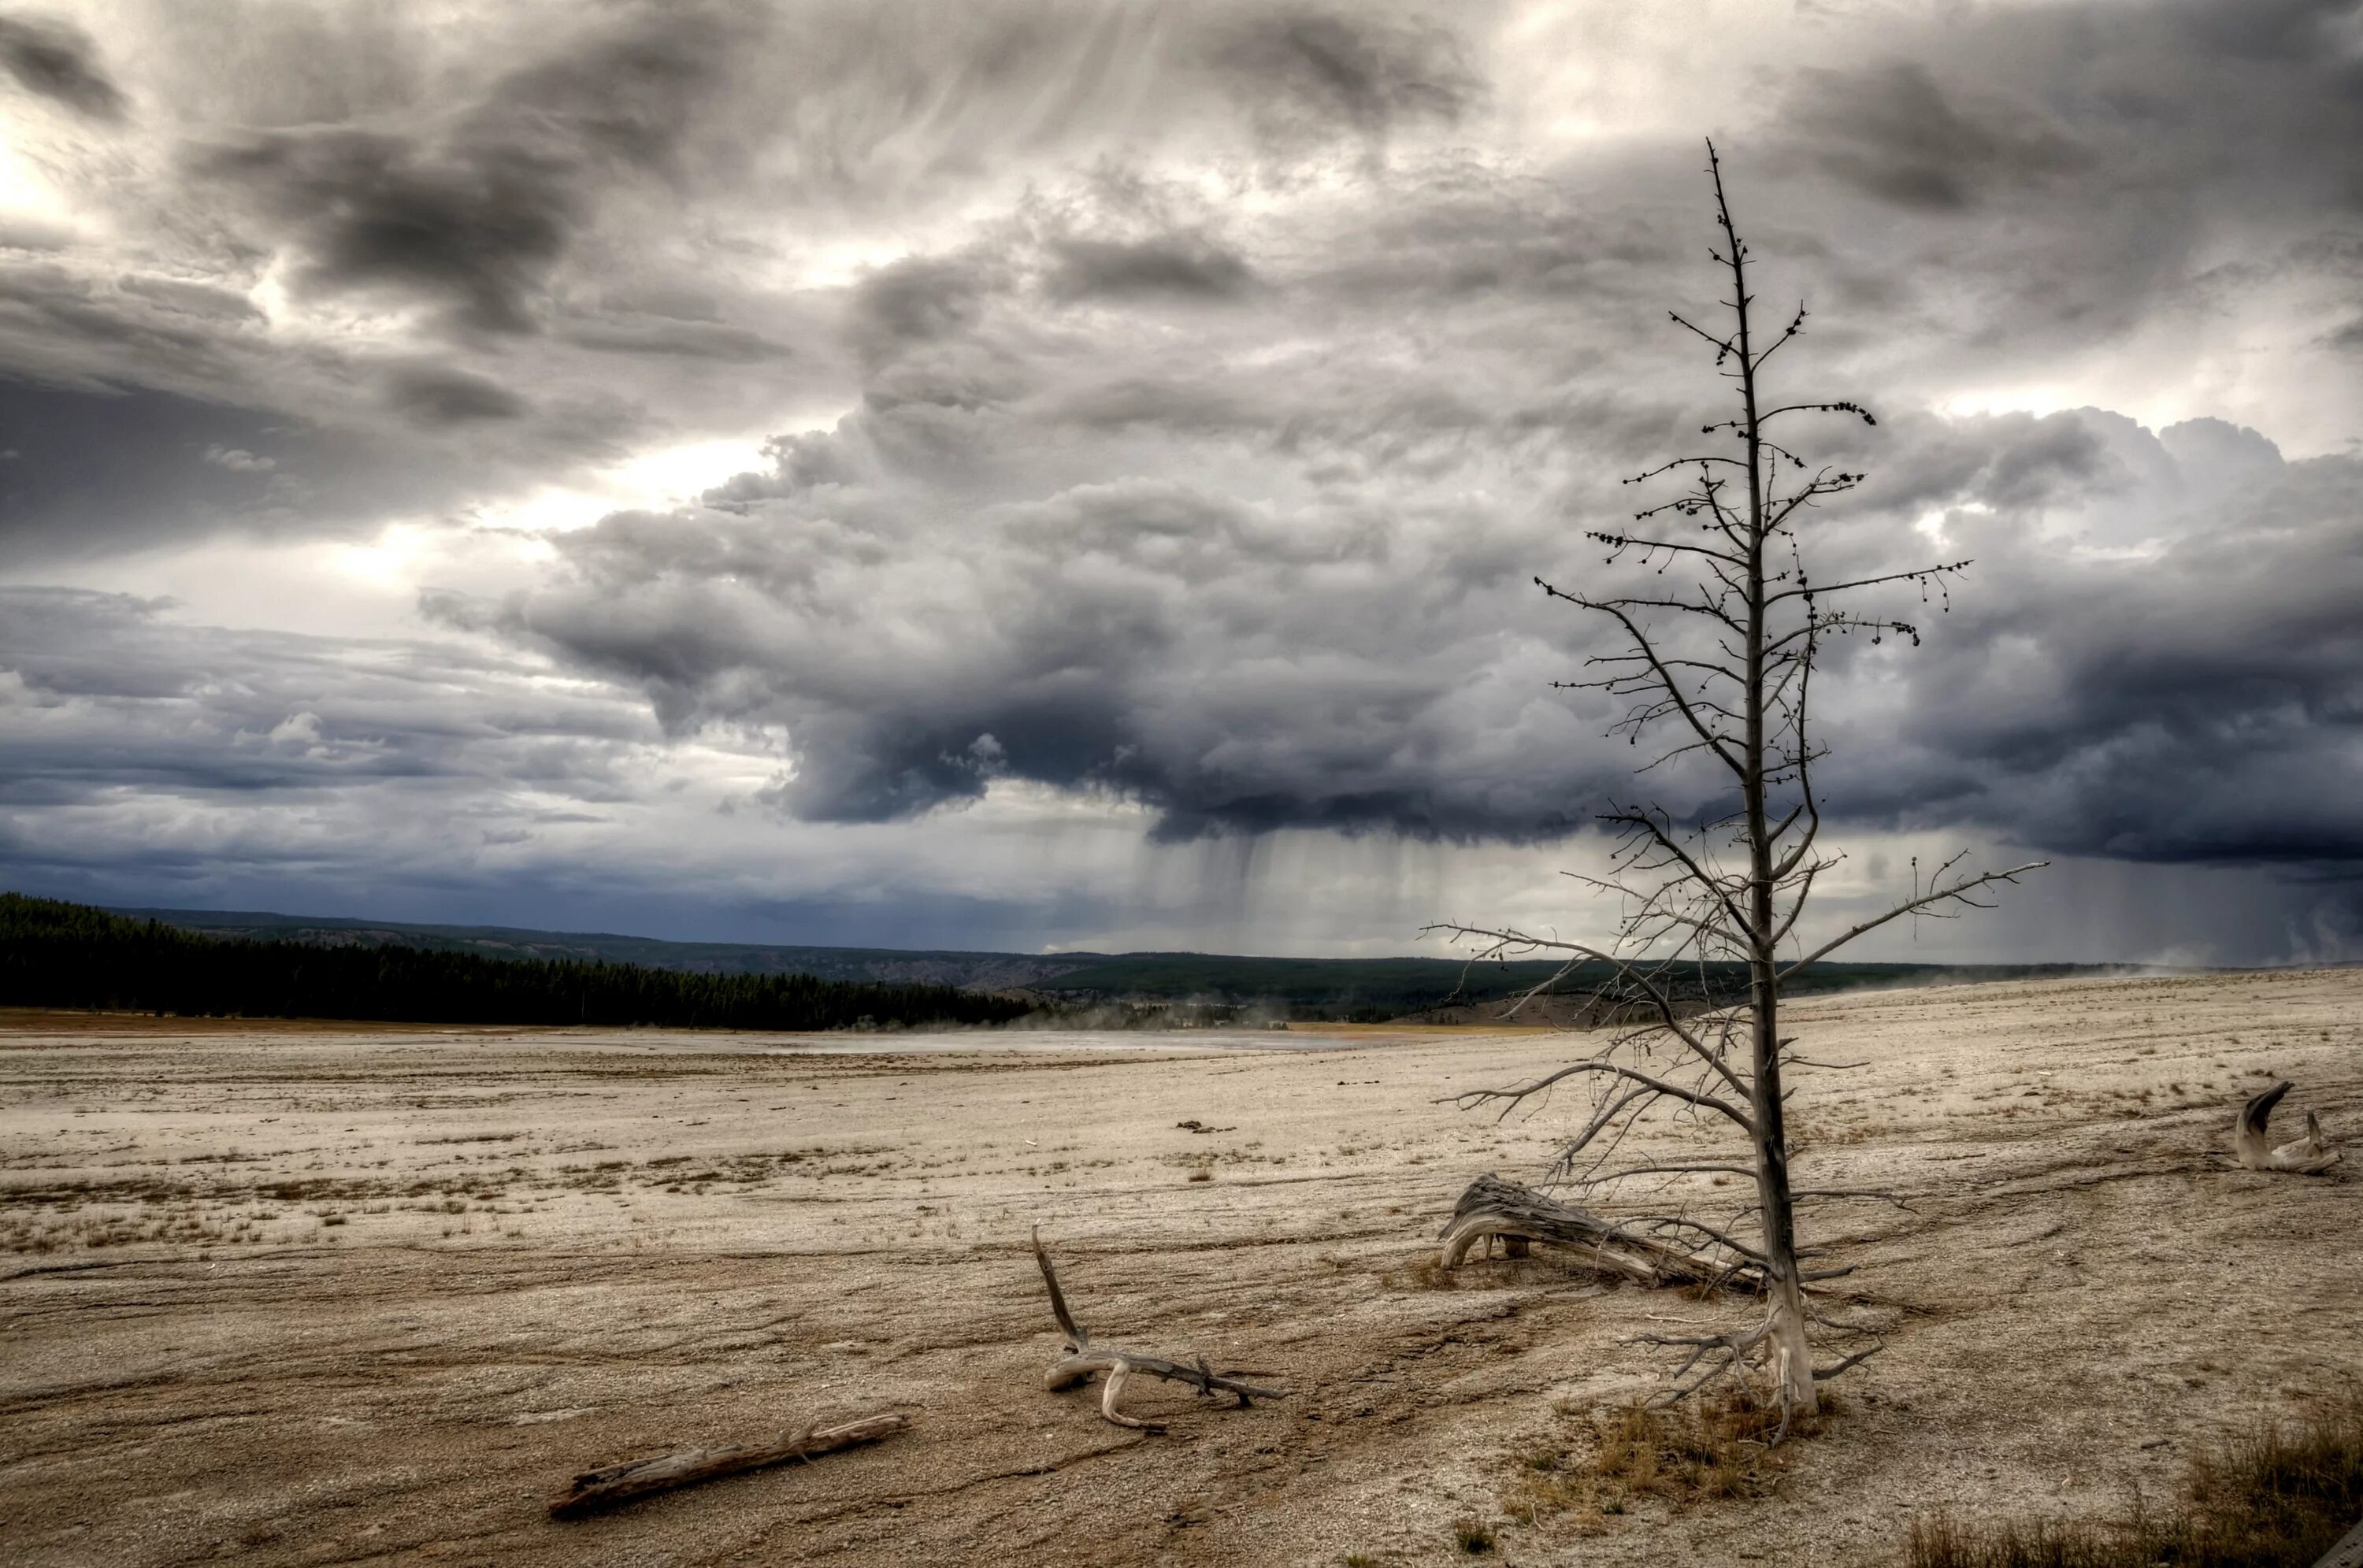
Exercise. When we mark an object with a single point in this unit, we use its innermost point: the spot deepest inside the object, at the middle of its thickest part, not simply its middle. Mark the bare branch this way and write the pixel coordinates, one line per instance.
(1916, 574)
(1958, 891)
(1626, 970)
(1469, 1100)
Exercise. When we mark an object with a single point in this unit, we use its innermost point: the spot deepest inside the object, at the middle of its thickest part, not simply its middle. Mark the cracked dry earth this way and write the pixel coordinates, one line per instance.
(325, 1294)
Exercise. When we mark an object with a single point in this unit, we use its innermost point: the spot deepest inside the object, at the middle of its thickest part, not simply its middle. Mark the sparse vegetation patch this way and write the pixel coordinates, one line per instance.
(2273, 1495)
(1704, 1450)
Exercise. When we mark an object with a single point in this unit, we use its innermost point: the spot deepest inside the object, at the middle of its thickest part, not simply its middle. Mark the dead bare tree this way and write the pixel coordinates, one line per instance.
(1723, 662)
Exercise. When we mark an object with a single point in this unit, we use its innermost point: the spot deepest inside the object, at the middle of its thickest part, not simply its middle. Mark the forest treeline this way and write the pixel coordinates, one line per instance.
(54, 953)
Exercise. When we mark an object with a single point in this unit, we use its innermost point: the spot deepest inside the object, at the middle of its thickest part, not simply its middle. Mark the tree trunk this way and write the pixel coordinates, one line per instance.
(1790, 1360)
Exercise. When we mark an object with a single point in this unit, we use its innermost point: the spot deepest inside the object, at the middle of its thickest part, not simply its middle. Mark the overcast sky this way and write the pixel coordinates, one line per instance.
(1038, 474)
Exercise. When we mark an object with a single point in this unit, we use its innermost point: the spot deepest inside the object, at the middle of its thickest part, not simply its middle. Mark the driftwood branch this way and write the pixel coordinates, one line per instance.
(1492, 1207)
(1084, 1358)
(2252, 1146)
(613, 1483)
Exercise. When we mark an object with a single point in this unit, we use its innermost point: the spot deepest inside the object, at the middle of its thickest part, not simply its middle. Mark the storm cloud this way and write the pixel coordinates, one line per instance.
(475, 216)
(2155, 658)
(56, 61)
(903, 416)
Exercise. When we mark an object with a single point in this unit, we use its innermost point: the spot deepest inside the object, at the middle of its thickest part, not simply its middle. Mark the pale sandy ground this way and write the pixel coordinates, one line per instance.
(313, 1295)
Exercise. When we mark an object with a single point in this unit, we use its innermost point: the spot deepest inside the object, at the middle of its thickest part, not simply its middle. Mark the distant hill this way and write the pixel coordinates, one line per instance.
(70, 956)
(971, 971)
(1355, 989)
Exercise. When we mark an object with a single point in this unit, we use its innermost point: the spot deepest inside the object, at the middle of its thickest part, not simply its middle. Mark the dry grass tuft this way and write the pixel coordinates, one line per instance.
(2273, 1495)
(1703, 1451)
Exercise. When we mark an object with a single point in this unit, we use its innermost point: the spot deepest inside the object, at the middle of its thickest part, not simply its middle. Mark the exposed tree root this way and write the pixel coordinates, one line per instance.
(2252, 1147)
(1771, 1343)
(1084, 1358)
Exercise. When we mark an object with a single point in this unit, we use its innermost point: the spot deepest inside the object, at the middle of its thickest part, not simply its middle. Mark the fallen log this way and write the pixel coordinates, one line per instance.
(1492, 1207)
(613, 1483)
(1083, 1359)
(2252, 1146)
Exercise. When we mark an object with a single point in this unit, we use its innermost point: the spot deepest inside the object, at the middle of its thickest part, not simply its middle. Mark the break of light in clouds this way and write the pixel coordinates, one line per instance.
(1036, 473)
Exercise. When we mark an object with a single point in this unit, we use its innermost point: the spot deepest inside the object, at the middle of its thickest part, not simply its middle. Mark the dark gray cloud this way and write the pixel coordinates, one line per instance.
(2050, 180)
(1305, 74)
(1157, 641)
(966, 581)
(113, 693)
(100, 471)
(477, 216)
(153, 758)
(87, 472)
(1189, 266)
(2174, 675)
(917, 301)
(433, 396)
(120, 368)
(2154, 658)
(675, 337)
(479, 229)
(56, 60)
(2274, 30)
(1894, 132)
(1274, 598)
(147, 752)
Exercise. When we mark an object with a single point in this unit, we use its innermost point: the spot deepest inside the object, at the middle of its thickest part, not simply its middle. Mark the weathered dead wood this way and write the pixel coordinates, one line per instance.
(2309, 1155)
(1492, 1207)
(1084, 1358)
(613, 1483)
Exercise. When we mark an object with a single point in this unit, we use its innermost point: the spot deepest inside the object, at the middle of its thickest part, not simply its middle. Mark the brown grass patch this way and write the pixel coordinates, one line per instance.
(1706, 1450)
(2271, 1495)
